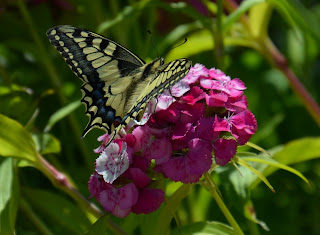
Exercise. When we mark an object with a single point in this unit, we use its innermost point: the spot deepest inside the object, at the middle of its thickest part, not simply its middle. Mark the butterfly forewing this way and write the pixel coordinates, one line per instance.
(99, 63)
(117, 84)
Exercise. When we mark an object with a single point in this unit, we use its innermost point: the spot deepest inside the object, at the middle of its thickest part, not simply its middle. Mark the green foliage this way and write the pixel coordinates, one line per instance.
(15, 141)
(41, 122)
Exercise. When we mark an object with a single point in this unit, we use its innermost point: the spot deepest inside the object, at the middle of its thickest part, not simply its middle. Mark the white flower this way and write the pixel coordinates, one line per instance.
(112, 162)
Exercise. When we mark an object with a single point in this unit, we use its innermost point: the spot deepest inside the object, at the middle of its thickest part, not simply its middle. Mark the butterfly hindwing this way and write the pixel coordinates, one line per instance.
(117, 84)
(164, 77)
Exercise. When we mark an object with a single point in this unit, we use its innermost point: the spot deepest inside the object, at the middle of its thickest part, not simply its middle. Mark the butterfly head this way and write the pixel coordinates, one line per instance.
(158, 62)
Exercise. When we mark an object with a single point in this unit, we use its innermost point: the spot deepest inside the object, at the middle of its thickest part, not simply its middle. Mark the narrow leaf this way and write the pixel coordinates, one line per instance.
(255, 171)
(102, 226)
(206, 228)
(5, 182)
(272, 162)
(46, 143)
(171, 206)
(9, 197)
(242, 9)
(296, 151)
(60, 114)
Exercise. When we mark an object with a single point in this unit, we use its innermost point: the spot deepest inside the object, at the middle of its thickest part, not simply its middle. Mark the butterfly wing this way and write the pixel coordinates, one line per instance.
(164, 77)
(105, 68)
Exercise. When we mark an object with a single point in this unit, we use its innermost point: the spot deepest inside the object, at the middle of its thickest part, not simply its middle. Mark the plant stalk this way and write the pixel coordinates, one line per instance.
(211, 187)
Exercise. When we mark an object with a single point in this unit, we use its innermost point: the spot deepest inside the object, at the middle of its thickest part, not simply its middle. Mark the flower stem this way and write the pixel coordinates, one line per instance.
(211, 187)
(218, 37)
(266, 48)
(63, 183)
(280, 62)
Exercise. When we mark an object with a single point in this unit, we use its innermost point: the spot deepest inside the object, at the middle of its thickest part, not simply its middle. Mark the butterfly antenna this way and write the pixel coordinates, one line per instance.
(185, 40)
(154, 45)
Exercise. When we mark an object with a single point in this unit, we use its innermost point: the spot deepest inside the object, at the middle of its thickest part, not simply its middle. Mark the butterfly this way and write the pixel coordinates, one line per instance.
(117, 84)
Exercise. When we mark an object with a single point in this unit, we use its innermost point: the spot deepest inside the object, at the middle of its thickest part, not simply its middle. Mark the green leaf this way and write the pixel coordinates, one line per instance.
(171, 206)
(255, 171)
(9, 197)
(197, 43)
(46, 143)
(58, 210)
(187, 9)
(101, 226)
(15, 141)
(298, 16)
(60, 114)
(259, 17)
(272, 162)
(5, 182)
(242, 9)
(250, 213)
(296, 151)
(177, 34)
(129, 12)
(203, 228)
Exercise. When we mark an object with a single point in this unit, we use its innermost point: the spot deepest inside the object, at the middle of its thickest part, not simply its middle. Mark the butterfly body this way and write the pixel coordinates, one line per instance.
(117, 84)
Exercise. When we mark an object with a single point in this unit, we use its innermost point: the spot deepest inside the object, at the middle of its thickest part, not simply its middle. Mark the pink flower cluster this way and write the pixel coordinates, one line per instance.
(208, 114)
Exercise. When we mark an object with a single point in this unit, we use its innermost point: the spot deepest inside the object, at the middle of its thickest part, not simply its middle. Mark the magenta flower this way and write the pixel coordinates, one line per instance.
(223, 83)
(243, 125)
(207, 115)
(150, 199)
(224, 150)
(196, 72)
(237, 104)
(188, 168)
(119, 200)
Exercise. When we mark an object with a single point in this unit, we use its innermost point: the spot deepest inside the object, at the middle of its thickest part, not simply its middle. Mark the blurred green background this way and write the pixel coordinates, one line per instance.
(35, 83)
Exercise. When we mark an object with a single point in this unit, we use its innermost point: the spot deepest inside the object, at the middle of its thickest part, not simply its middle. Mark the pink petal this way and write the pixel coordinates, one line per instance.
(149, 200)
(237, 104)
(195, 94)
(196, 72)
(104, 138)
(127, 196)
(175, 169)
(140, 179)
(107, 199)
(95, 186)
(221, 124)
(192, 113)
(180, 130)
(164, 101)
(244, 125)
(216, 99)
(238, 84)
(216, 73)
(180, 88)
(199, 158)
(160, 150)
(120, 213)
(204, 129)
(208, 83)
(224, 150)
